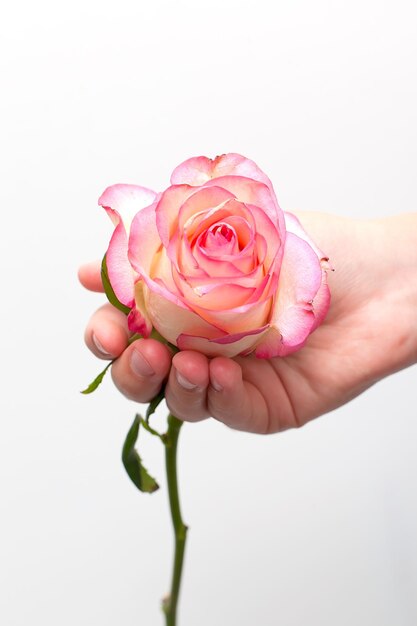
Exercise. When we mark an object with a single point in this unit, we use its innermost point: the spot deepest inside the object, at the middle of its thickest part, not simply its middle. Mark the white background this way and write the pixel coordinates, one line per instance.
(316, 526)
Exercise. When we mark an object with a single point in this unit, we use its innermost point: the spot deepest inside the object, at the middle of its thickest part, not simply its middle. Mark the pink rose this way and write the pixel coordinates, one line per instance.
(213, 263)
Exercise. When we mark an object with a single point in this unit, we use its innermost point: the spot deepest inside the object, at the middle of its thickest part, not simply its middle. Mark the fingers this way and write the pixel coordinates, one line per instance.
(142, 369)
(186, 390)
(198, 388)
(234, 401)
(107, 334)
(89, 276)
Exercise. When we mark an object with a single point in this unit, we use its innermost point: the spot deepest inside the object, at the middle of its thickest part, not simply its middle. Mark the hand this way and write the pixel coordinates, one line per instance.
(370, 332)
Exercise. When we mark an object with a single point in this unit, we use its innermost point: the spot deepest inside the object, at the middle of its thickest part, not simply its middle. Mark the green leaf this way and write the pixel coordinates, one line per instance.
(97, 381)
(132, 461)
(151, 430)
(154, 403)
(111, 296)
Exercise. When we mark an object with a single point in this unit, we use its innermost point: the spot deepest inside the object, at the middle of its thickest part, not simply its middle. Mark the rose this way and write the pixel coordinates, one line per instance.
(213, 263)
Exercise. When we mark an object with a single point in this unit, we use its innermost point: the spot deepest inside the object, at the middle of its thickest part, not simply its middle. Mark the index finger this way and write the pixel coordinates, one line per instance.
(89, 276)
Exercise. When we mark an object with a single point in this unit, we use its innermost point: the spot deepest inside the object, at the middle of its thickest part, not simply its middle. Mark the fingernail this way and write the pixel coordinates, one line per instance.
(184, 382)
(139, 365)
(215, 385)
(99, 346)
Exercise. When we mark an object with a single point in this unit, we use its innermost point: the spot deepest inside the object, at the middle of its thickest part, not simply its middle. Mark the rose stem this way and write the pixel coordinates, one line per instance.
(169, 604)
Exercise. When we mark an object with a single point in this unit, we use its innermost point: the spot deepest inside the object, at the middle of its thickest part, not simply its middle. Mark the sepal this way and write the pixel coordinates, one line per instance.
(108, 289)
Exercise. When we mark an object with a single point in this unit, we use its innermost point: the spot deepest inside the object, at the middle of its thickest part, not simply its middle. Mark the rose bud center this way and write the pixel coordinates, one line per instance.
(220, 238)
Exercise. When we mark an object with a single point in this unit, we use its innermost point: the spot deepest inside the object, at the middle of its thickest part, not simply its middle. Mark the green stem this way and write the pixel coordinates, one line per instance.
(169, 604)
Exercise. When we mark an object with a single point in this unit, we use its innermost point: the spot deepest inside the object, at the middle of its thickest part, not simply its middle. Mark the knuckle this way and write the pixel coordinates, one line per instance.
(187, 406)
(134, 388)
(218, 406)
(175, 409)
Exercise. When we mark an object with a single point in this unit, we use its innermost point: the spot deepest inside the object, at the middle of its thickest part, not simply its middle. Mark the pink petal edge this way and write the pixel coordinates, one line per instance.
(198, 170)
(293, 317)
(126, 200)
(120, 272)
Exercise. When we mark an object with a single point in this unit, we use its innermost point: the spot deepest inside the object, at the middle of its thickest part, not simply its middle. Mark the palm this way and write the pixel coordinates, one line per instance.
(324, 375)
(354, 346)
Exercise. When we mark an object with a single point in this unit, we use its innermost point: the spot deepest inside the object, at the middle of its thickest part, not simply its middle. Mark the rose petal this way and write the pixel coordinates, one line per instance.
(171, 319)
(241, 319)
(293, 318)
(220, 240)
(138, 320)
(183, 249)
(198, 170)
(168, 208)
(204, 284)
(146, 253)
(274, 239)
(293, 225)
(229, 346)
(209, 296)
(228, 212)
(271, 345)
(137, 323)
(182, 258)
(144, 241)
(127, 200)
(120, 272)
(321, 302)
(202, 202)
(200, 210)
(221, 263)
(249, 191)
(122, 202)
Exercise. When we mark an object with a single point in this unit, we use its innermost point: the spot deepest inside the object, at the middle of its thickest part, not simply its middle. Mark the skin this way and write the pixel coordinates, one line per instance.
(369, 333)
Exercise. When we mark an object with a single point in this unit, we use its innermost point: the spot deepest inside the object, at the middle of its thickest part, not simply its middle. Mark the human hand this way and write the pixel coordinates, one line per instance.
(370, 332)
